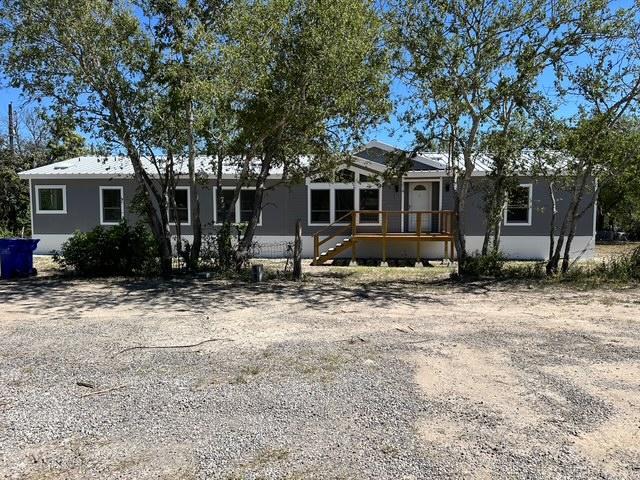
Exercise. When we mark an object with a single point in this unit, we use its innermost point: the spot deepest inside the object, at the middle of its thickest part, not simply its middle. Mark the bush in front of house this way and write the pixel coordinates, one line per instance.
(490, 265)
(117, 250)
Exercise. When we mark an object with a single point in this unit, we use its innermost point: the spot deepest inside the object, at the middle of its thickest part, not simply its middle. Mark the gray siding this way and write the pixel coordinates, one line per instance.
(475, 220)
(284, 204)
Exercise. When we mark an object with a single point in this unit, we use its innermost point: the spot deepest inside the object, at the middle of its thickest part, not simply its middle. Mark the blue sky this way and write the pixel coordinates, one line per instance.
(390, 132)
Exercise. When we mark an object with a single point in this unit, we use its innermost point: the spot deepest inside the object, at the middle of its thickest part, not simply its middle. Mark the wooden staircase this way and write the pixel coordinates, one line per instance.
(334, 251)
(347, 228)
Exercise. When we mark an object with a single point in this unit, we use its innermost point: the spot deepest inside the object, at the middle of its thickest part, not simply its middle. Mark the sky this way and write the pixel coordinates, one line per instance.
(391, 132)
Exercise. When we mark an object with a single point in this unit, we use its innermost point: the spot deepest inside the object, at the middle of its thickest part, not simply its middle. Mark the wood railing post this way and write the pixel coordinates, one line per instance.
(385, 220)
(353, 236)
(316, 247)
(418, 233)
(353, 223)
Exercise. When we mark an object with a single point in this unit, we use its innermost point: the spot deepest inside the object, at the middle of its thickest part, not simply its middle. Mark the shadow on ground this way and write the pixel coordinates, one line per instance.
(73, 296)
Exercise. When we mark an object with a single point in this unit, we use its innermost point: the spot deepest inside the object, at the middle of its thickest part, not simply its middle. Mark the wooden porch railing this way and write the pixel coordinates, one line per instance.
(379, 228)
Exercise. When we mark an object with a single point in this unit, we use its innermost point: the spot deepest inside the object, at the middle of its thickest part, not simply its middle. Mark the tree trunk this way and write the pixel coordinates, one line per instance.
(157, 214)
(223, 236)
(297, 252)
(575, 216)
(459, 235)
(196, 246)
(552, 229)
(244, 246)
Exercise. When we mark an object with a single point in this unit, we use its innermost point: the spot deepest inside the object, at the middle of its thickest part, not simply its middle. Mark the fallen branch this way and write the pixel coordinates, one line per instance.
(85, 384)
(147, 347)
(100, 392)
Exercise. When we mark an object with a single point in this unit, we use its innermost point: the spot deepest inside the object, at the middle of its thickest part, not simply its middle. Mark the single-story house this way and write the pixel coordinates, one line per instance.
(354, 213)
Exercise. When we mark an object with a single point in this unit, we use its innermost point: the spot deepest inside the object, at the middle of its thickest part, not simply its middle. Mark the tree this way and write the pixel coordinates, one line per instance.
(597, 143)
(40, 139)
(93, 59)
(318, 80)
(466, 60)
(120, 68)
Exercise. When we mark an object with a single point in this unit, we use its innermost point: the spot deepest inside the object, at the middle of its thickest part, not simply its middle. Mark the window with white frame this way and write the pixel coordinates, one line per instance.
(111, 205)
(182, 207)
(243, 209)
(332, 202)
(221, 210)
(320, 206)
(518, 208)
(51, 199)
(369, 199)
(344, 203)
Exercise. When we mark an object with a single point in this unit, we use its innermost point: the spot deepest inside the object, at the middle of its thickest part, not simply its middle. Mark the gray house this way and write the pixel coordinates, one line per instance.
(352, 214)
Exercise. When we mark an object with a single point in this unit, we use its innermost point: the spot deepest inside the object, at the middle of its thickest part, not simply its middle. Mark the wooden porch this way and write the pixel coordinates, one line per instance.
(384, 227)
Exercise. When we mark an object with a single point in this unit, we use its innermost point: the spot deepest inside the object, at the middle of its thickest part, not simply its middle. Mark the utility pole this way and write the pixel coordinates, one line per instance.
(11, 130)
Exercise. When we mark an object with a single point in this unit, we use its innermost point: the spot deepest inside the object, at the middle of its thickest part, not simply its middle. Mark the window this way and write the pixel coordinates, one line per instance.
(344, 203)
(518, 210)
(227, 198)
(182, 206)
(329, 203)
(247, 203)
(111, 205)
(366, 178)
(345, 176)
(243, 208)
(51, 199)
(369, 199)
(320, 206)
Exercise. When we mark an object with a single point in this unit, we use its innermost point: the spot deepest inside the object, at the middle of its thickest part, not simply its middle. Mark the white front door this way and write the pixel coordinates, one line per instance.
(419, 201)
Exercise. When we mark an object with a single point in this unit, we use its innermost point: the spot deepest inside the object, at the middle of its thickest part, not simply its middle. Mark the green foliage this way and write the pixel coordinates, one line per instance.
(117, 250)
(42, 139)
(5, 233)
(14, 196)
(618, 270)
(490, 265)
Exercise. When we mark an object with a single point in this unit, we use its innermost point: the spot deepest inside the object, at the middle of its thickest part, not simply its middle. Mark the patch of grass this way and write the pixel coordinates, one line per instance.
(354, 275)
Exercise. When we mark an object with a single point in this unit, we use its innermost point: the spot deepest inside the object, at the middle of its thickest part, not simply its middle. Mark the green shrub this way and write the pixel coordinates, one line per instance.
(626, 266)
(117, 250)
(490, 265)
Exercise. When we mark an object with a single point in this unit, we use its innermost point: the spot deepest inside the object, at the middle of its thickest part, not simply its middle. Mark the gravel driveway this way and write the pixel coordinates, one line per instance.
(323, 380)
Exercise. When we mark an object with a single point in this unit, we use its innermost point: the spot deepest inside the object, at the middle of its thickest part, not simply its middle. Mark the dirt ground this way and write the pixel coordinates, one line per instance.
(351, 374)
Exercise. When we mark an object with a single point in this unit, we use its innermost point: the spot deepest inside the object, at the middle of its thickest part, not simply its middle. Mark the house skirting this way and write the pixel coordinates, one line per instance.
(514, 247)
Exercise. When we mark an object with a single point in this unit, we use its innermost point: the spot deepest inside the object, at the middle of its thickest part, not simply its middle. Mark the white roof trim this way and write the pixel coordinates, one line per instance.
(381, 145)
(363, 162)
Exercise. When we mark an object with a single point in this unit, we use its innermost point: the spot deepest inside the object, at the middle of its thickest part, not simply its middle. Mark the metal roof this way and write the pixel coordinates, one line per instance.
(424, 164)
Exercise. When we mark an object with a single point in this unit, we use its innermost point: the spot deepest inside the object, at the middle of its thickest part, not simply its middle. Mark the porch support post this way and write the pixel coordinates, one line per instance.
(385, 219)
(316, 248)
(353, 236)
(418, 232)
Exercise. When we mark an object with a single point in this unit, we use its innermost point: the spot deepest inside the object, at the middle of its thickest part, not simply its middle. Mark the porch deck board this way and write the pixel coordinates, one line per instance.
(409, 236)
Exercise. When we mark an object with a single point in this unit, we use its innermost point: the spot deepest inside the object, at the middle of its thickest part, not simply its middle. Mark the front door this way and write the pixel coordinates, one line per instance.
(419, 201)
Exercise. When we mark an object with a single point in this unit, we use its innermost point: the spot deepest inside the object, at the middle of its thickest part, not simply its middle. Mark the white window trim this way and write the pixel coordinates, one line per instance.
(332, 187)
(529, 214)
(237, 206)
(50, 187)
(188, 222)
(102, 188)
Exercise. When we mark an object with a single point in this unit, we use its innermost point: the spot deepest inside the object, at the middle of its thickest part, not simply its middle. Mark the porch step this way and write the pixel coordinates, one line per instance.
(332, 251)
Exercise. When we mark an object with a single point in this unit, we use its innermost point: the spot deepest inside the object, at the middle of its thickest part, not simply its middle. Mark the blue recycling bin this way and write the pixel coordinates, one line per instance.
(16, 257)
